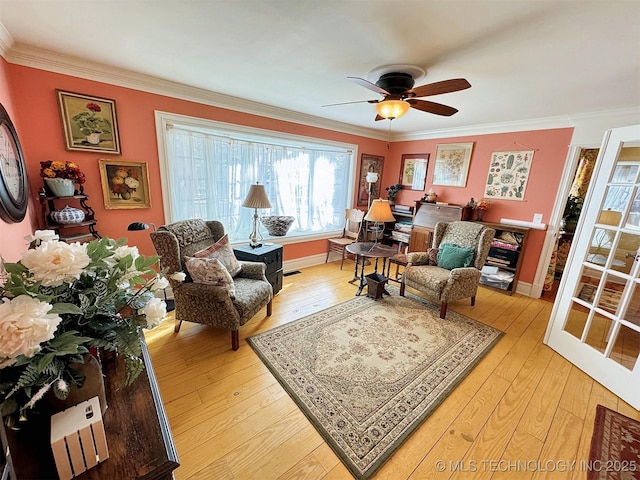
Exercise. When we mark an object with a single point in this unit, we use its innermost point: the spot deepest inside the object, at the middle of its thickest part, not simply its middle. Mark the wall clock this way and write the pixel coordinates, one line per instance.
(14, 189)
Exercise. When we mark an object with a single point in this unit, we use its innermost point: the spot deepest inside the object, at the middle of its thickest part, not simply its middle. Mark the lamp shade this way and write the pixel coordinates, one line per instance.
(372, 177)
(135, 226)
(610, 217)
(392, 108)
(256, 198)
(380, 211)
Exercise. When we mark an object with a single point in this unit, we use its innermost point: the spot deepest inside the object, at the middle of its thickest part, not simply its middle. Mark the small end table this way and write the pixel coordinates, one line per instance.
(364, 250)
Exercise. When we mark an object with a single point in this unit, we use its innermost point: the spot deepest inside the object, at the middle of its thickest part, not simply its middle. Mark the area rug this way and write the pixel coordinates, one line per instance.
(368, 372)
(615, 447)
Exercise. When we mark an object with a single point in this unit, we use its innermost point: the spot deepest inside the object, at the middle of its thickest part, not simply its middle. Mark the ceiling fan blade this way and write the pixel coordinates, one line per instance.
(367, 84)
(432, 107)
(349, 103)
(378, 118)
(446, 86)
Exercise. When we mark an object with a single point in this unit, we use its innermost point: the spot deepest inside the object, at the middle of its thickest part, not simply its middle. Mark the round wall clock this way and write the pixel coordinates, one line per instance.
(14, 189)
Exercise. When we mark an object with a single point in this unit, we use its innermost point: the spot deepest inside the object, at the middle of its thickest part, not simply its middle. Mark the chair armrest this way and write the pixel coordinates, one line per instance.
(255, 270)
(418, 258)
(465, 272)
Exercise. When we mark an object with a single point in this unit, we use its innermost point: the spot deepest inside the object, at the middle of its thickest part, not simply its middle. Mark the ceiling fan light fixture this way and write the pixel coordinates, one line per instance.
(392, 108)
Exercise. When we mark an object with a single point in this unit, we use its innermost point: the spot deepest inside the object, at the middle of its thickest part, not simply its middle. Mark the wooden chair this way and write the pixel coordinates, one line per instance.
(350, 234)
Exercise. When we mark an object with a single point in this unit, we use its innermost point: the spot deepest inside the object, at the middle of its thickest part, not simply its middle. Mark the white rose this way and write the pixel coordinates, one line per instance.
(125, 250)
(159, 283)
(42, 235)
(54, 263)
(24, 325)
(178, 276)
(155, 311)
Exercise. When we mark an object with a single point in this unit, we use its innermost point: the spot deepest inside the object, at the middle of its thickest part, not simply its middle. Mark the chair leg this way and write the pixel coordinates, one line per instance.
(473, 300)
(443, 310)
(176, 329)
(402, 285)
(269, 307)
(344, 251)
(235, 339)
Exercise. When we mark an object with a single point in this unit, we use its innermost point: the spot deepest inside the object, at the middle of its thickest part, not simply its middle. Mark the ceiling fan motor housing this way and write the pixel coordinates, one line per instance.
(396, 82)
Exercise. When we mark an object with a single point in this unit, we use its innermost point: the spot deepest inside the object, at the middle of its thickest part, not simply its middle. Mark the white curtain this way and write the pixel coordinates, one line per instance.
(209, 176)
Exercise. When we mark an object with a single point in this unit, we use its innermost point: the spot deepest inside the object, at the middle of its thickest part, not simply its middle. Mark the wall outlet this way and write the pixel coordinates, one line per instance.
(537, 218)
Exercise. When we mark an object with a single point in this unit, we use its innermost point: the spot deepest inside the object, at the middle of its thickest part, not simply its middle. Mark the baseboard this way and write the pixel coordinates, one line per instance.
(302, 262)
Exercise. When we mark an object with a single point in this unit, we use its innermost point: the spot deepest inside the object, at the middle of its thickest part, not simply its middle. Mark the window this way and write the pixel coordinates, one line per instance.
(207, 168)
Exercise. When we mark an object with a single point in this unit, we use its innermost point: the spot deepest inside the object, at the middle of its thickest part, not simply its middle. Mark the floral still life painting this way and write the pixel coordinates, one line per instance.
(124, 184)
(62, 301)
(89, 123)
(508, 174)
(452, 164)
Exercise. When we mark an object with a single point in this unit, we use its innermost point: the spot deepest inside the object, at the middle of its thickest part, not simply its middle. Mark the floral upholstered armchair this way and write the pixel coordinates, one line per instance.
(450, 270)
(226, 296)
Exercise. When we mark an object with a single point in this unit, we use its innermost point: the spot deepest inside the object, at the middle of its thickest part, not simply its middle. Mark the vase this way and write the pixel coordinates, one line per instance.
(93, 386)
(60, 187)
(93, 138)
(67, 215)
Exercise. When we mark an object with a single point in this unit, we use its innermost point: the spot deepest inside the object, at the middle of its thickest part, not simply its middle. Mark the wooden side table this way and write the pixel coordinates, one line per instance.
(364, 250)
(270, 255)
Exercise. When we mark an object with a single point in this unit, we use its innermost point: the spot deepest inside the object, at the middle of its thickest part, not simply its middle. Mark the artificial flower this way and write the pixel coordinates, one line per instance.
(178, 276)
(69, 170)
(61, 300)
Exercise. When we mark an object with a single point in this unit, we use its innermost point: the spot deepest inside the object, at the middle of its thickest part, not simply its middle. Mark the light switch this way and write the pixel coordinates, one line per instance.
(537, 218)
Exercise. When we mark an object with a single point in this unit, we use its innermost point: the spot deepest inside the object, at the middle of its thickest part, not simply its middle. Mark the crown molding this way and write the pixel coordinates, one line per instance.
(42, 59)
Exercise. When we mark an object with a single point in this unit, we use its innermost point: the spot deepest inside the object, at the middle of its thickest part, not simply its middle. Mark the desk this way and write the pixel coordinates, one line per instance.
(364, 250)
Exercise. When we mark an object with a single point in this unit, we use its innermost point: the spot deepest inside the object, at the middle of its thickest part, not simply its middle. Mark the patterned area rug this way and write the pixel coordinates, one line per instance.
(615, 447)
(367, 373)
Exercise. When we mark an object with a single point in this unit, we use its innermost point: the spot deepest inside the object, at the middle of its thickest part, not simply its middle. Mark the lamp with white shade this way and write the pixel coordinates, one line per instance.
(256, 198)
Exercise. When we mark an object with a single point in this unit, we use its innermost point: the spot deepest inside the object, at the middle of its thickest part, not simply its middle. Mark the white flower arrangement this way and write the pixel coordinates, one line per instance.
(59, 301)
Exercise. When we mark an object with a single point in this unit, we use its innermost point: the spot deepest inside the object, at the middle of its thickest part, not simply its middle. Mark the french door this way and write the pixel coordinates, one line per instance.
(595, 322)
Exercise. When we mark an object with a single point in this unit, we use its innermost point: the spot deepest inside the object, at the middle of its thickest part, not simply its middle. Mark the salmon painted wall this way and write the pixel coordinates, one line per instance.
(551, 148)
(12, 234)
(34, 94)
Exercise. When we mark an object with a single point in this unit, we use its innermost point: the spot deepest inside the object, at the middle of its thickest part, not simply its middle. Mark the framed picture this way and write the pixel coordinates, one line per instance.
(452, 164)
(89, 123)
(508, 174)
(124, 184)
(369, 164)
(413, 171)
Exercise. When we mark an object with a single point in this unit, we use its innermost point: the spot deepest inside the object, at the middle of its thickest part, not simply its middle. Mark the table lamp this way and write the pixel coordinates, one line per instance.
(380, 212)
(256, 198)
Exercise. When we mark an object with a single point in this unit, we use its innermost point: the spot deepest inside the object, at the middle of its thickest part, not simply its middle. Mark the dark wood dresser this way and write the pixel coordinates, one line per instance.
(270, 255)
(138, 434)
(425, 219)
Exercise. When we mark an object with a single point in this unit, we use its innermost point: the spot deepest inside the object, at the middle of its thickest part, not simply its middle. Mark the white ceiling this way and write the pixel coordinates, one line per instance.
(525, 59)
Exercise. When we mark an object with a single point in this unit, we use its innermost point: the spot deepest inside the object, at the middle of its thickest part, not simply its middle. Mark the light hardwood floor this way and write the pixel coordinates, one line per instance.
(522, 408)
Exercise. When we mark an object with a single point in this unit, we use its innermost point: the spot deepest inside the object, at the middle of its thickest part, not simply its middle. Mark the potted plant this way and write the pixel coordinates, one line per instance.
(392, 191)
(59, 302)
(571, 213)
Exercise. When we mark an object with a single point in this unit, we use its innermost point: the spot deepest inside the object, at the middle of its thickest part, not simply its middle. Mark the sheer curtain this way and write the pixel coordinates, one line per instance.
(209, 175)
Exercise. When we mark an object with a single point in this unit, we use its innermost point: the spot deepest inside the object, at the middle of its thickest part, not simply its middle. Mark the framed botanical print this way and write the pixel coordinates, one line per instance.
(452, 164)
(413, 171)
(124, 184)
(89, 123)
(369, 164)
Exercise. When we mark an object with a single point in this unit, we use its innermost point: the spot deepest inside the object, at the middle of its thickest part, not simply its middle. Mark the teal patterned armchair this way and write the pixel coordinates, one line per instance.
(210, 304)
(440, 276)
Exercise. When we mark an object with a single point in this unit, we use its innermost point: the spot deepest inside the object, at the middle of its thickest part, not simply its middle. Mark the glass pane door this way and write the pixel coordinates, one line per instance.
(596, 318)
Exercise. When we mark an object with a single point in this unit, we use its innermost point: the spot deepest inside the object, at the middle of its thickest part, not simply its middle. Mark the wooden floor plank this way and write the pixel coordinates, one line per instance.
(232, 420)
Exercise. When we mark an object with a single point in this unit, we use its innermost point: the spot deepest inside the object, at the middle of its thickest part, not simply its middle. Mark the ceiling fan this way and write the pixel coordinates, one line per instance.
(399, 94)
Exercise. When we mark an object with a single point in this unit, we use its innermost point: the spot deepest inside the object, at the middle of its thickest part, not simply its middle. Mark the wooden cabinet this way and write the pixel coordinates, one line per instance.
(502, 267)
(270, 255)
(72, 232)
(427, 216)
(138, 434)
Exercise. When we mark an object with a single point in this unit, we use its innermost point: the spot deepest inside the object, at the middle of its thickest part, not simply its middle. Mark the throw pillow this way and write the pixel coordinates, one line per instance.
(224, 253)
(210, 271)
(433, 256)
(452, 256)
